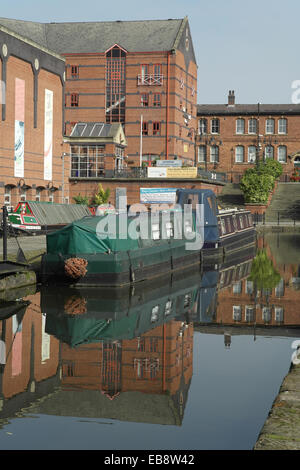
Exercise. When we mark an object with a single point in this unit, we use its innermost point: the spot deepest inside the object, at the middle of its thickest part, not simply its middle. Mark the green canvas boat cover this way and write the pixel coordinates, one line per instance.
(91, 235)
(80, 330)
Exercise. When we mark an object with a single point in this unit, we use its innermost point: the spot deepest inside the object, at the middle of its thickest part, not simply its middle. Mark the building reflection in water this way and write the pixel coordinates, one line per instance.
(128, 355)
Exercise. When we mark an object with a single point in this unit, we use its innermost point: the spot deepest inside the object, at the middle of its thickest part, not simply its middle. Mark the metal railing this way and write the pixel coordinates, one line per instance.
(280, 218)
(138, 172)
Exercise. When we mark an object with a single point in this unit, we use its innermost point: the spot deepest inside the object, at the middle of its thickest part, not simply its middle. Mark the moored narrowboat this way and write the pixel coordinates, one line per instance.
(121, 249)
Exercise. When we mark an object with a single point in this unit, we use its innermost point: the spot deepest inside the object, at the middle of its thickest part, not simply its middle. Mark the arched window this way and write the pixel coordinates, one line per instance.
(269, 152)
(270, 126)
(240, 126)
(252, 126)
(115, 84)
(282, 126)
(214, 154)
(282, 154)
(239, 154)
(252, 154)
(202, 126)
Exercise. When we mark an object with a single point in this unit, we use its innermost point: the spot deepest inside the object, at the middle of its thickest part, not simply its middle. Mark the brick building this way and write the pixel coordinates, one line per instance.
(232, 137)
(31, 120)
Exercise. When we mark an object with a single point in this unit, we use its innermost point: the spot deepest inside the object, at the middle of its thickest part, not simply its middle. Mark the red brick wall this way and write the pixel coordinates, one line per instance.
(34, 137)
(230, 140)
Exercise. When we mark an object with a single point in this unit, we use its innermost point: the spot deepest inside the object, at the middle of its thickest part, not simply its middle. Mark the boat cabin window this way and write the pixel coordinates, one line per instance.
(168, 308)
(241, 221)
(155, 232)
(235, 227)
(169, 230)
(154, 314)
(223, 227)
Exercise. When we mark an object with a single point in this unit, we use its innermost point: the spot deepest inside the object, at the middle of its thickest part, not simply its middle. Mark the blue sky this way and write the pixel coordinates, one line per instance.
(250, 47)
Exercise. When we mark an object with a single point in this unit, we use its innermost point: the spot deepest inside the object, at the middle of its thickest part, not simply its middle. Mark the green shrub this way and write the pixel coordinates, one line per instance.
(256, 186)
(263, 273)
(271, 167)
(84, 200)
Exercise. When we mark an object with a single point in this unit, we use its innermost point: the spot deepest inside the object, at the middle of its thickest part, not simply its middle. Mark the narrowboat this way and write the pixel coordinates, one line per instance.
(125, 248)
(41, 217)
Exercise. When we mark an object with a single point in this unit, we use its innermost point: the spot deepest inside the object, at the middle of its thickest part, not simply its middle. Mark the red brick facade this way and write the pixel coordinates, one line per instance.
(242, 128)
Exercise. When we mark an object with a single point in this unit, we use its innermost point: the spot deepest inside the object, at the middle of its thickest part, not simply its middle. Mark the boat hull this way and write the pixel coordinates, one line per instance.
(125, 268)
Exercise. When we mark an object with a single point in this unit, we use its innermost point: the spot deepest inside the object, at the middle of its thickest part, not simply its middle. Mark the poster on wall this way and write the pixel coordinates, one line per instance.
(48, 135)
(158, 195)
(19, 128)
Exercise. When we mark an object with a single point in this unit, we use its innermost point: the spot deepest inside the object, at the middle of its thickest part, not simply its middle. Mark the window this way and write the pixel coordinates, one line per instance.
(155, 232)
(266, 314)
(74, 71)
(240, 126)
(115, 85)
(7, 195)
(270, 126)
(155, 314)
(144, 99)
(202, 154)
(282, 126)
(169, 230)
(145, 128)
(252, 154)
(38, 194)
(279, 314)
(156, 128)
(214, 154)
(279, 289)
(237, 288)
(249, 313)
(249, 287)
(168, 308)
(282, 154)
(215, 126)
(269, 152)
(239, 154)
(202, 126)
(237, 313)
(74, 100)
(144, 70)
(157, 99)
(252, 126)
(157, 69)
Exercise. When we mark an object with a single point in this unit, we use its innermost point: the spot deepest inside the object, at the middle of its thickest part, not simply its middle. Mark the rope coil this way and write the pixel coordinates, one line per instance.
(76, 267)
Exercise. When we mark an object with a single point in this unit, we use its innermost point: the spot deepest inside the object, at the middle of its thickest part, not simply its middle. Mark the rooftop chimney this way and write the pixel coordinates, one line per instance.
(231, 98)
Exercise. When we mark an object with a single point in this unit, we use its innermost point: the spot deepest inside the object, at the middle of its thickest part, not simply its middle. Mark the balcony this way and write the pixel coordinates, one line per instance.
(150, 79)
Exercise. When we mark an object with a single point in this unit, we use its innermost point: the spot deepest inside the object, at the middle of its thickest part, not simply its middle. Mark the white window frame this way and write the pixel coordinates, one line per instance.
(237, 288)
(250, 154)
(237, 313)
(202, 155)
(280, 311)
(250, 123)
(266, 314)
(202, 126)
(214, 154)
(266, 153)
(281, 147)
(249, 312)
(239, 157)
(281, 121)
(240, 126)
(215, 123)
(270, 126)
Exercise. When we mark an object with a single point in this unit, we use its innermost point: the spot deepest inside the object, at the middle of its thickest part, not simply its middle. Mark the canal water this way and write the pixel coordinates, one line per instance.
(192, 361)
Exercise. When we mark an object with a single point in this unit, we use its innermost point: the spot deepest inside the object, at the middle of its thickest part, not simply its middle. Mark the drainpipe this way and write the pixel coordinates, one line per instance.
(168, 91)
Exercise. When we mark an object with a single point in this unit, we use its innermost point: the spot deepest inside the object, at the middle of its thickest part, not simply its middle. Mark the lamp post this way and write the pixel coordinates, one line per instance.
(209, 141)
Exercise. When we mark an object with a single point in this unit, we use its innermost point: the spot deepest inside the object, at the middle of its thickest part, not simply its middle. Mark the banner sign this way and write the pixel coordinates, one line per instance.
(166, 163)
(172, 172)
(158, 195)
(154, 172)
(48, 135)
(19, 128)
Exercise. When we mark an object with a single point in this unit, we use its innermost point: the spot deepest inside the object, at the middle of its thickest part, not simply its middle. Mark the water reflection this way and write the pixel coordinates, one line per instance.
(128, 354)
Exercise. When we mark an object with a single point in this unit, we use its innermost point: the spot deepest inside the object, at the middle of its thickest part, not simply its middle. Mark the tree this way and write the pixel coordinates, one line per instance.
(263, 273)
(84, 200)
(101, 197)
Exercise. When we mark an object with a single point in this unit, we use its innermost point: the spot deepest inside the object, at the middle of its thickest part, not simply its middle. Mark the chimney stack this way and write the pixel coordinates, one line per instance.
(231, 98)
